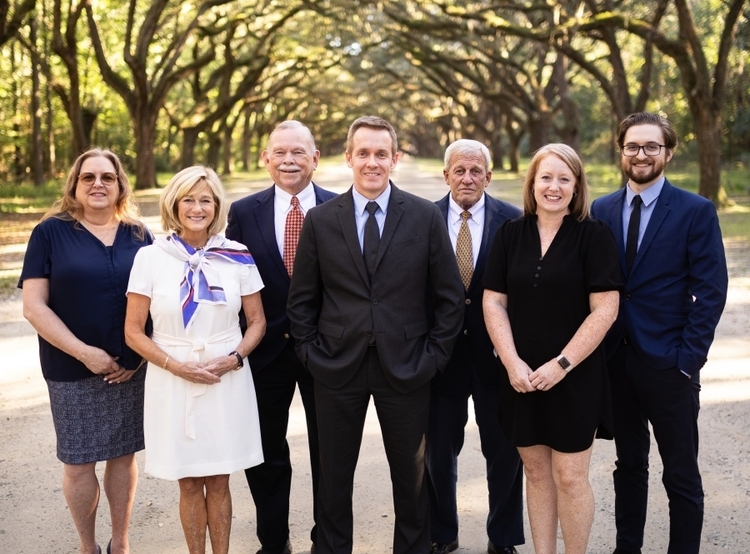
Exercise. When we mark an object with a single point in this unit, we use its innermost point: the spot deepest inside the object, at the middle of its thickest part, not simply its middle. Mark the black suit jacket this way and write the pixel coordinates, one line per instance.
(473, 349)
(336, 313)
(251, 222)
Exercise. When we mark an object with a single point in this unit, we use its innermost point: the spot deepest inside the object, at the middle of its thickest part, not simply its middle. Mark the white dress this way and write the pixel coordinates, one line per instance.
(191, 429)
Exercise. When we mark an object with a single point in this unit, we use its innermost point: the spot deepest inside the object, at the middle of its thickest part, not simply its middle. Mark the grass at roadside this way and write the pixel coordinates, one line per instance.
(21, 206)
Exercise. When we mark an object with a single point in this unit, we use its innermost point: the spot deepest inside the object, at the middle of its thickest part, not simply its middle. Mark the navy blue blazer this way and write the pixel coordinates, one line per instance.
(676, 291)
(251, 222)
(473, 348)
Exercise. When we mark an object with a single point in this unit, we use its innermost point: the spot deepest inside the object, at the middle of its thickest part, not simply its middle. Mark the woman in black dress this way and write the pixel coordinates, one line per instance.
(74, 279)
(552, 284)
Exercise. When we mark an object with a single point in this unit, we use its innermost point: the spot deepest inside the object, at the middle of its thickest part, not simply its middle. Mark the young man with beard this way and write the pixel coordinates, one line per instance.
(675, 270)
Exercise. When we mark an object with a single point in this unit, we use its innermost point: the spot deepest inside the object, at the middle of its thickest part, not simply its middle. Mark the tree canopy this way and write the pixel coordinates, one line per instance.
(169, 83)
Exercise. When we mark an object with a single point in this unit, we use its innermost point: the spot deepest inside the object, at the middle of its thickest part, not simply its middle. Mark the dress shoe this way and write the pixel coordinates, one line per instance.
(443, 547)
(492, 549)
(286, 550)
(622, 551)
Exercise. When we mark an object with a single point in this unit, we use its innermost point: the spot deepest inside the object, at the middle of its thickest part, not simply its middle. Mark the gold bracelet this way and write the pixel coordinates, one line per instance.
(165, 363)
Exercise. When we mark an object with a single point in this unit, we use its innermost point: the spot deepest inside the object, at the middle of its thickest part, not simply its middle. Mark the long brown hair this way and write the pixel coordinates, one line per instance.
(68, 208)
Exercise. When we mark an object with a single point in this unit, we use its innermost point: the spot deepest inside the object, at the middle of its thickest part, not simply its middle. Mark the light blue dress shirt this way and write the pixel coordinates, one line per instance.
(649, 197)
(361, 214)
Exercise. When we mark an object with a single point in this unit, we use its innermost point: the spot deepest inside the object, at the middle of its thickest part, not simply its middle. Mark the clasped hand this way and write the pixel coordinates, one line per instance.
(523, 379)
(208, 373)
(98, 361)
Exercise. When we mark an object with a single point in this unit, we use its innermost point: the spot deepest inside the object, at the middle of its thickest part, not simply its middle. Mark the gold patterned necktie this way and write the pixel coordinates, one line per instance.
(464, 255)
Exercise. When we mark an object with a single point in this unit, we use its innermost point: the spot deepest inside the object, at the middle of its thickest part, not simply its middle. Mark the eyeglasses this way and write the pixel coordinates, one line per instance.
(650, 149)
(107, 179)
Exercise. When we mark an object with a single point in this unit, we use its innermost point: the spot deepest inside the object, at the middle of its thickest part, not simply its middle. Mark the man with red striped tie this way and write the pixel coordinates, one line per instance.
(269, 223)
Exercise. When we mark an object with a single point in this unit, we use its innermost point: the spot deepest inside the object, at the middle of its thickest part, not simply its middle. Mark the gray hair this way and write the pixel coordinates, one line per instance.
(467, 146)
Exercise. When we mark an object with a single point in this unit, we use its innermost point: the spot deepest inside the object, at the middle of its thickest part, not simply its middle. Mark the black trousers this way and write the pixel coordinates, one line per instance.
(270, 482)
(403, 421)
(669, 400)
(445, 438)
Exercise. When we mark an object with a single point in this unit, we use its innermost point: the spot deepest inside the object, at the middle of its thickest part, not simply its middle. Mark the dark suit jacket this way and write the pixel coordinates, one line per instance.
(677, 288)
(473, 348)
(336, 312)
(251, 222)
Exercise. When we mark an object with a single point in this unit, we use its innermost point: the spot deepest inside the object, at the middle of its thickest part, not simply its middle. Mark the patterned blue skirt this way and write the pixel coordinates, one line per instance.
(95, 420)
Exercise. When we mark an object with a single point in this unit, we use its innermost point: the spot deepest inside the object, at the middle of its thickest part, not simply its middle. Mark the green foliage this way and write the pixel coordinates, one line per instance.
(25, 198)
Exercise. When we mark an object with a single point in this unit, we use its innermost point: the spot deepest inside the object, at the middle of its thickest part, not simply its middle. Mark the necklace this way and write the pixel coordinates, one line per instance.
(105, 232)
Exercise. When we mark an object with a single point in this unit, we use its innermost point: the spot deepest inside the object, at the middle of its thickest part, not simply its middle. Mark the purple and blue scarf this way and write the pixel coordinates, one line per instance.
(201, 282)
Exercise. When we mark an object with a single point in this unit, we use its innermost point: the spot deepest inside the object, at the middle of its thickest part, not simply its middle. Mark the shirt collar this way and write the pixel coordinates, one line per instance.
(454, 210)
(649, 195)
(284, 199)
(360, 202)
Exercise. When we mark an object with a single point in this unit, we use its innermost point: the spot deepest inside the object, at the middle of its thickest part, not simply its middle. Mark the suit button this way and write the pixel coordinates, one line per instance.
(466, 331)
(368, 333)
(468, 301)
(374, 300)
(627, 297)
(286, 335)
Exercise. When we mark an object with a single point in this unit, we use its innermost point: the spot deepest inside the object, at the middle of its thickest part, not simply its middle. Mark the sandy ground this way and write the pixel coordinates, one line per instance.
(34, 518)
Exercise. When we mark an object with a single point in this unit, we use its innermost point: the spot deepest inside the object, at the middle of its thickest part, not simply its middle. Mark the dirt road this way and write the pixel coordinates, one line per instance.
(34, 518)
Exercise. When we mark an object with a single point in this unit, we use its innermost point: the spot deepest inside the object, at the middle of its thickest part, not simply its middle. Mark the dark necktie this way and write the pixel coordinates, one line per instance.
(631, 247)
(292, 230)
(372, 239)
(464, 255)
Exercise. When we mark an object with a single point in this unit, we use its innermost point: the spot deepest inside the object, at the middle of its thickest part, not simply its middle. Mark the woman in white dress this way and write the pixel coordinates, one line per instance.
(200, 415)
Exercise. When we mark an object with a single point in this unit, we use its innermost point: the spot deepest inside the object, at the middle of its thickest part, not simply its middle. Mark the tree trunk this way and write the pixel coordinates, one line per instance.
(88, 119)
(514, 139)
(708, 136)
(50, 135)
(538, 130)
(246, 139)
(189, 140)
(145, 168)
(37, 148)
(214, 149)
(227, 152)
(17, 169)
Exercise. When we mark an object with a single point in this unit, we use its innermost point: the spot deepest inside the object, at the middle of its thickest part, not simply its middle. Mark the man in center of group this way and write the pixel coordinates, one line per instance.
(370, 264)
(268, 223)
(473, 370)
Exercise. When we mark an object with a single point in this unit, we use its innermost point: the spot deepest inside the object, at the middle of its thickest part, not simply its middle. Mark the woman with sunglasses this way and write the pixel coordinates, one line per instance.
(74, 278)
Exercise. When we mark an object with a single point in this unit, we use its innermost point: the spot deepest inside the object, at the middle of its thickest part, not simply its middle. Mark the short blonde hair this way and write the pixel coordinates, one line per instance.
(180, 186)
(579, 205)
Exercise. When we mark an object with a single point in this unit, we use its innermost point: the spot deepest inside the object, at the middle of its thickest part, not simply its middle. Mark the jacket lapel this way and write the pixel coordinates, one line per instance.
(395, 211)
(492, 220)
(264, 214)
(615, 216)
(318, 198)
(661, 210)
(349, 231)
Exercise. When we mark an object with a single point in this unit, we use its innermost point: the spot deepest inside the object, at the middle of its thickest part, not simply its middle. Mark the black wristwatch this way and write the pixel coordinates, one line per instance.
(564, 363)
(236, 354)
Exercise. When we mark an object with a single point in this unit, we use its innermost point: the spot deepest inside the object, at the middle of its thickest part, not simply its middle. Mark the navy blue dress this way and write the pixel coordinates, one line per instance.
(87, 286)
(548, 300)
